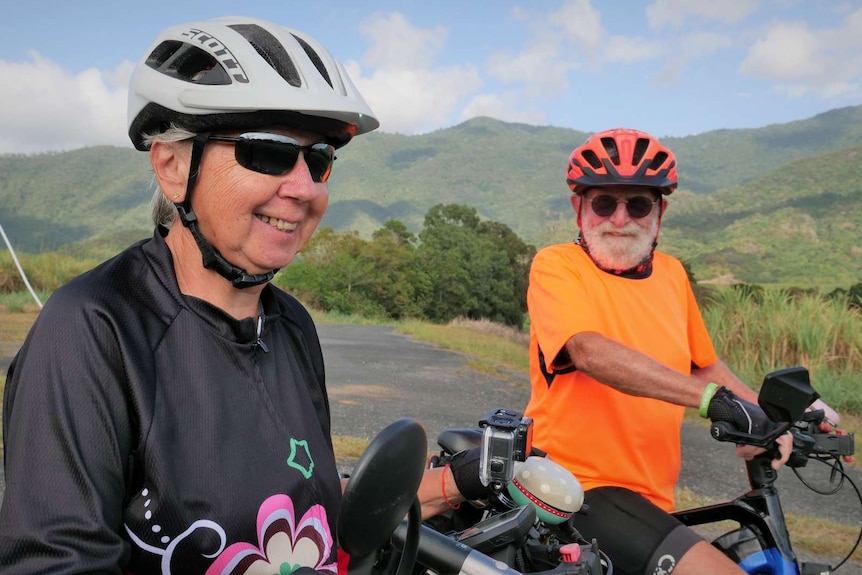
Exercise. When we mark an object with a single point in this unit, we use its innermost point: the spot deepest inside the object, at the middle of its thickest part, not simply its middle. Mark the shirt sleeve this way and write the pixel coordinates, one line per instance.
(67, 436)
(557, 304)
(702, 351)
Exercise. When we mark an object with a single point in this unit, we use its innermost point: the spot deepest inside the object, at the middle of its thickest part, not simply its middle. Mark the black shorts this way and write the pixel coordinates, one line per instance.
(637, 536)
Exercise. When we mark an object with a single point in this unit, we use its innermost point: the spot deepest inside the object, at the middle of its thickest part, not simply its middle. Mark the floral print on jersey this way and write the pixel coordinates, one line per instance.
(284, 545)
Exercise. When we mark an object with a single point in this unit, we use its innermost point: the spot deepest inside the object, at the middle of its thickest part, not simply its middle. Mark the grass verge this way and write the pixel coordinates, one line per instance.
(347, 447)
(493, 347)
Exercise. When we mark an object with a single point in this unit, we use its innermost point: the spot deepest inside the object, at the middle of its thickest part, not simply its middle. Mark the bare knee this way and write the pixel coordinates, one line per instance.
(701, 559)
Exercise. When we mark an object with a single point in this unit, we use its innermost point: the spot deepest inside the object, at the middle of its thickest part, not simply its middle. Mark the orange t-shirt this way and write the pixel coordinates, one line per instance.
(603, 436)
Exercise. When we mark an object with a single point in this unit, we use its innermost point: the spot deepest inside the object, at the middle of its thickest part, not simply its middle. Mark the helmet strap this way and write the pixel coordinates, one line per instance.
(212, 259)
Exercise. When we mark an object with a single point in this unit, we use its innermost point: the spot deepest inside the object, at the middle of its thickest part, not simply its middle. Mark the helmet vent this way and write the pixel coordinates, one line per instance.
(591, 157)
(658, 161)
(610, 146)
(640, 149)
(271, 50)
(188, 63)
(315, 59)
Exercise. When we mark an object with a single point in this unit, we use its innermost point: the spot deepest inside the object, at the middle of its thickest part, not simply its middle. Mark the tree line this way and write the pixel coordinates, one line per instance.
(457, 266)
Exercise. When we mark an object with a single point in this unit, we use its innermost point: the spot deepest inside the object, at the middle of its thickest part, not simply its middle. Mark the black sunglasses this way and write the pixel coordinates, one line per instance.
(276, 155)
(637, 206)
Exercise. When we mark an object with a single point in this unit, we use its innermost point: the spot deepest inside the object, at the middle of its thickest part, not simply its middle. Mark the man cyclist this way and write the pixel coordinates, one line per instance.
(618, 350)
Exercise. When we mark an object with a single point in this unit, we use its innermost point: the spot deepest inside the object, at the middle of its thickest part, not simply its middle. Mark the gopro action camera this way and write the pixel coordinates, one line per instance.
(507, 438)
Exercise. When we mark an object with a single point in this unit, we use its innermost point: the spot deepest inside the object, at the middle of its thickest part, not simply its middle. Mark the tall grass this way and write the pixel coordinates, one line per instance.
(45, 272)
(759, 332)
(22, 301)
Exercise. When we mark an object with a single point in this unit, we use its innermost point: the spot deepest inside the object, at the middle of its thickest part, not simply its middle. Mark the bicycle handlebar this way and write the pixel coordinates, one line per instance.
(447, 556)
(809, 438)
(724, 431)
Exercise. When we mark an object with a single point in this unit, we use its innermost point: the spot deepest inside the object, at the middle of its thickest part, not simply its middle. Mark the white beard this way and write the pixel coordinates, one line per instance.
(623, 248)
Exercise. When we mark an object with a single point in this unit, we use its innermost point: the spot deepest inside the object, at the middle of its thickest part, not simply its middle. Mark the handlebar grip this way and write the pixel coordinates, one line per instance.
(725, 431)
(722, 431)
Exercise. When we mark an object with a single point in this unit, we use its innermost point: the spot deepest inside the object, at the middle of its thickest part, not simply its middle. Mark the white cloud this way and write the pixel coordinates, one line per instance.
(581, 23)
(703, 43)
(557, 43)
(687, 49)
(415, 101)
(800, 60)
(789, 52)
(397, 44)
(507, 107)
(571, 38)
(43, 107)
(537, 68)
(491, 105)
(630, 49)
(402, 86)
(674, 13)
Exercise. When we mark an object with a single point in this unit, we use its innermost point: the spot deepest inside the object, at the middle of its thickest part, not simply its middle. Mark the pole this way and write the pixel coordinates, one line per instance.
(20, 269)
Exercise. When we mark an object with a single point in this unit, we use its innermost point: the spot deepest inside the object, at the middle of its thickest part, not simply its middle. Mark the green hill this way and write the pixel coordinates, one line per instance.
(515, 173)
(794, 186)
(801, 224)
(53, 199)
(725, 158)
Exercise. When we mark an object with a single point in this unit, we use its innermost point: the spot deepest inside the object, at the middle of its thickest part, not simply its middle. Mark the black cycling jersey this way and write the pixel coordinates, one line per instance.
(150, 432)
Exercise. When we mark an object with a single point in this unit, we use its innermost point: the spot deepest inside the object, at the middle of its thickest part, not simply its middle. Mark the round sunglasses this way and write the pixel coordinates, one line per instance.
(637, 206)
(276, 155)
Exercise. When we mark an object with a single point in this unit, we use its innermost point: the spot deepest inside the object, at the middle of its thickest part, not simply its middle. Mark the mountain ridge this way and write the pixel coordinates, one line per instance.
(510, 172)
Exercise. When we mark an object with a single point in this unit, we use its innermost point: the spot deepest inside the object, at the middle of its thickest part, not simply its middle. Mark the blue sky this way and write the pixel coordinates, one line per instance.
(670, 67)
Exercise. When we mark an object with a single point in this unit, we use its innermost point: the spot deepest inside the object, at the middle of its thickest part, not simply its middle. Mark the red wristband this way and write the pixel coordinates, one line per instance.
(443, 488)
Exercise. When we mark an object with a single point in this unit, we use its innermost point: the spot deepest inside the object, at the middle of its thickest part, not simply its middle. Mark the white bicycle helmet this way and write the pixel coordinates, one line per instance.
(238, 72)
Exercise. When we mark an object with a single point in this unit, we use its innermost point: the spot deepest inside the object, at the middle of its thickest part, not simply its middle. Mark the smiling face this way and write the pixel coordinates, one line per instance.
(258, 222)
(618, 241)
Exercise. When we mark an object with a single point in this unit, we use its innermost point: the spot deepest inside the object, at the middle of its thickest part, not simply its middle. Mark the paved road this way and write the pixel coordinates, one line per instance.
(375, 375)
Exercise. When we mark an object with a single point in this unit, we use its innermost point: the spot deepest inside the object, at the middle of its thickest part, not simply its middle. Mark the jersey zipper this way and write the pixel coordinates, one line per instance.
(259, 342)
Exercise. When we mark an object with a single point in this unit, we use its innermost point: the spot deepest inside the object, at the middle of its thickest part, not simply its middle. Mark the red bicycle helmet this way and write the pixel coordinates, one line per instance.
(622, 156)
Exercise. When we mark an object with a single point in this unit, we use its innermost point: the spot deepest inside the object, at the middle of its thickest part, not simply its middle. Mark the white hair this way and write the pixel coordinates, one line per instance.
(164, 213)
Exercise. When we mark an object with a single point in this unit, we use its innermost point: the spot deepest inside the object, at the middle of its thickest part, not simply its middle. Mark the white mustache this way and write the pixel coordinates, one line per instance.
(615, 247)
(630, 229)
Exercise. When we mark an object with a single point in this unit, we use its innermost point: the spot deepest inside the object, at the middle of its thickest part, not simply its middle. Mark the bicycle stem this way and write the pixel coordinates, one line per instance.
(764, 497)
